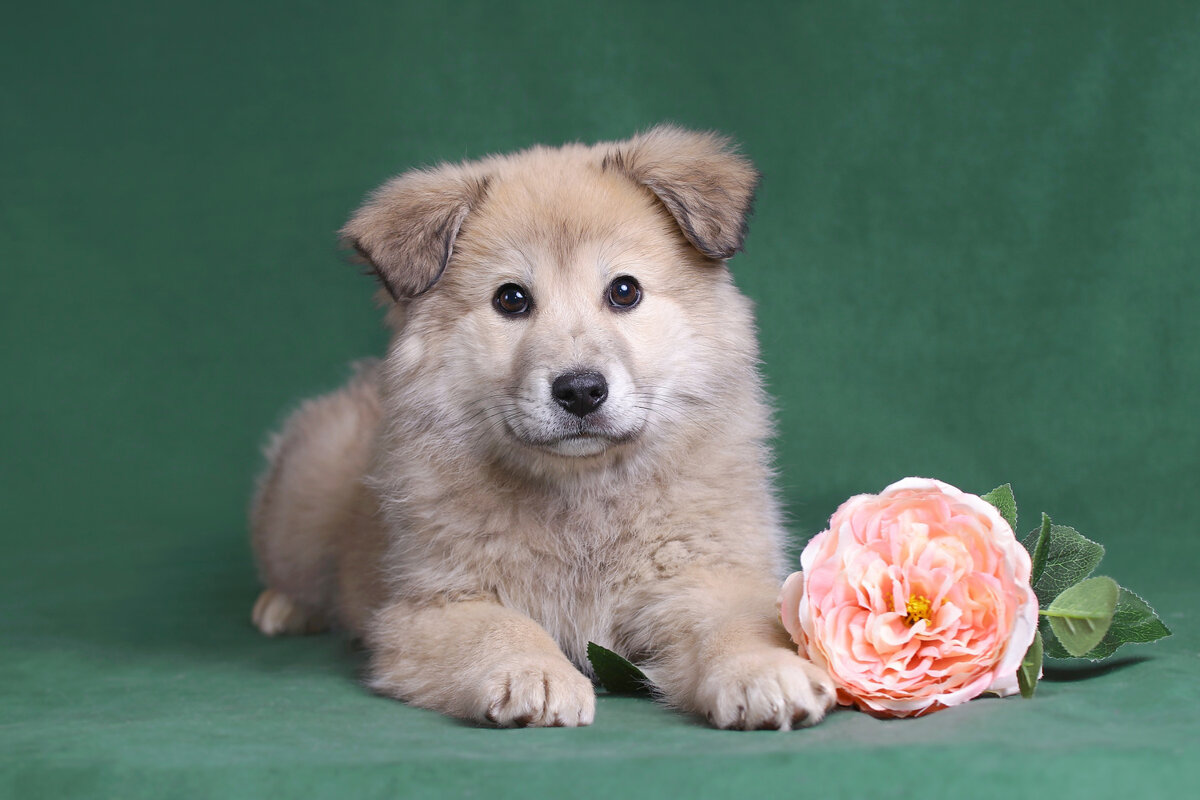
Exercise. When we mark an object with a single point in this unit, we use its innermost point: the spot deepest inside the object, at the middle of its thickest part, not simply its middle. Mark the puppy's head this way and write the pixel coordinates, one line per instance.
(566, 307)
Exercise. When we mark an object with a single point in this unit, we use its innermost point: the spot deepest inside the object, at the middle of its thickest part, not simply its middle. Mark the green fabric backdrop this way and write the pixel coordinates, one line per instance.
(974, 258)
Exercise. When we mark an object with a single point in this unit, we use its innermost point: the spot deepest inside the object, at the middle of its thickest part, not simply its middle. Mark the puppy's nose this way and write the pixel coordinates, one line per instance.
(581, 393)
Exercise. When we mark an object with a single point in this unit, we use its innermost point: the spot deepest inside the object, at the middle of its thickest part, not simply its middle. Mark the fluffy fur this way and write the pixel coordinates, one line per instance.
(474, 533)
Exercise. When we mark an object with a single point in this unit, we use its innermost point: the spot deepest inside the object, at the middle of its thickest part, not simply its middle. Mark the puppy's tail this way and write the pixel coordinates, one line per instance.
(310, 499)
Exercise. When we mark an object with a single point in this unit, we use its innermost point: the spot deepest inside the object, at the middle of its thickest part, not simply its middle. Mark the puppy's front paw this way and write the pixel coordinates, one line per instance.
(543, 692)
(765, 689)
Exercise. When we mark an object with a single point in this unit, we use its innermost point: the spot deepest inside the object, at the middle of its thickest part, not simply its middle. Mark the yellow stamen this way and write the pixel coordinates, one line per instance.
(918, 608)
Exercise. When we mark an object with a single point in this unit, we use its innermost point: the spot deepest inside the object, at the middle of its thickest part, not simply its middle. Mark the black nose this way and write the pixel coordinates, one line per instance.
(581, 393)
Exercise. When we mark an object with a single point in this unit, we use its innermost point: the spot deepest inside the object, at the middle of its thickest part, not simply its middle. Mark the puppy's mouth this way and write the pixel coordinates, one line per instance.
(586, 439)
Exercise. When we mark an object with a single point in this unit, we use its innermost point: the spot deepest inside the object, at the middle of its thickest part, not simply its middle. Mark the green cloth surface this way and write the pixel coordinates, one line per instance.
(974, 258)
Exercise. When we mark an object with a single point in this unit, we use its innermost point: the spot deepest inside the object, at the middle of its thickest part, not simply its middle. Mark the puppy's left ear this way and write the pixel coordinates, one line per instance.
(701, 179)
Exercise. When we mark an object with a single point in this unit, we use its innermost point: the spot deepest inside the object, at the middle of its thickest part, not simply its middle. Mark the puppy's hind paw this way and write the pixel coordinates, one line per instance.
(275, 614)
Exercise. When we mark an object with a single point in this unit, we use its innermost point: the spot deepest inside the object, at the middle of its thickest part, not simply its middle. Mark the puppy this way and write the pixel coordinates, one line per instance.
(565, 442)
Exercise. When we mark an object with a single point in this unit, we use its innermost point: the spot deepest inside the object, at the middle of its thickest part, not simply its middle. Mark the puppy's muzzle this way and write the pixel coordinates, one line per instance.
(580, 393)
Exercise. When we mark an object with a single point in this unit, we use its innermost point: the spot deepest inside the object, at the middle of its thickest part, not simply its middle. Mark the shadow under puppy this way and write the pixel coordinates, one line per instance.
(565, 442)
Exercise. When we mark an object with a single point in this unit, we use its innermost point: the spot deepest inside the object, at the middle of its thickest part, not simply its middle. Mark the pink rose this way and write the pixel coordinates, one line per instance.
(914, 600)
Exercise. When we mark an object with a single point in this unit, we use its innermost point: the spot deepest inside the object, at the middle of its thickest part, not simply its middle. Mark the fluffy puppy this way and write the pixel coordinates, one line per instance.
(565, 442)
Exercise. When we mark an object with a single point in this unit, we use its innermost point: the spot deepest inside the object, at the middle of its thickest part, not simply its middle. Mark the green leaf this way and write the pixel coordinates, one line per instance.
(1081, 615)
(1002, 498)
(616, 674)
(1031, 667)
(1051, 647)
(1038, 545)
(1133, 621)
(1070, 558)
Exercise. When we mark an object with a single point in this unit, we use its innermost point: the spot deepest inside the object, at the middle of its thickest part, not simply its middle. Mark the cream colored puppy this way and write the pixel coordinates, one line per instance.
(565, 442)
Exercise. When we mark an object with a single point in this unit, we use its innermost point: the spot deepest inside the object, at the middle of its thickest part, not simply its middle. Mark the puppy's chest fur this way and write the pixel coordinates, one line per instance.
(569, 567)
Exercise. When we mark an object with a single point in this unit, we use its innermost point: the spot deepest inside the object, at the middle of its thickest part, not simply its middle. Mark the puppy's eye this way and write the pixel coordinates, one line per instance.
(512, 300)
(624, 293)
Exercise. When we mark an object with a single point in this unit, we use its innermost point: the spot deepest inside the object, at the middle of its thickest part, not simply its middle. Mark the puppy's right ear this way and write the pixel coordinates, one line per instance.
(406, 229)
(701, 179)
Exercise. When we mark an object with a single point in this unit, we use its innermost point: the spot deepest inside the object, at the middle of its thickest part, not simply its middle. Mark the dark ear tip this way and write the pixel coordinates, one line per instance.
(736, 243)
(717, 252)
(362, 257)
